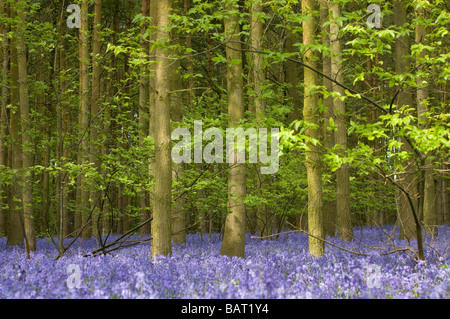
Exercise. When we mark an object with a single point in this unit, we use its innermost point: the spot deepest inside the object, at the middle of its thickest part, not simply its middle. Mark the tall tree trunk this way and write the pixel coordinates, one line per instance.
(189, 61)
(143, 112)
(61, 130)
(108, 126)
(95, 122)
(161, 224)
(83, 198)
(445, 183)
(311, 116)
(65, 130)
(152, 54)
(444, 198)
(27, 162)
(4, 57)
(408, 181)
(152, 89)
(43, 156)
(343, 217)
(264, 221)
(429, 191)
(176, 114)
(329, 206)
(292, 77)
(15, 233)
(233, 243)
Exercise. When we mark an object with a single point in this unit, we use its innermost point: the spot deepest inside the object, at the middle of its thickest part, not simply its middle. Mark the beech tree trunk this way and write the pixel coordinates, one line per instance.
(27, 143)
(143, 113)
(264, 221)
(429, 189)
(152, 89)
(4, 57)
(343, 217)
(95, 121)
(329, 206)
(311, 116)
(83, 117)
(233, 243)
(176, 114)
(161, 224)
(408, 181)
(15, 233)
(292, 77)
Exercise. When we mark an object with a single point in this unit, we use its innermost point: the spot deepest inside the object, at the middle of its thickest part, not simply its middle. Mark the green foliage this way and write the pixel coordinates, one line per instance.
(375, 139)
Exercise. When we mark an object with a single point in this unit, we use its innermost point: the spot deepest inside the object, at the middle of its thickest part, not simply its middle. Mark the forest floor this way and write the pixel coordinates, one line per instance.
(278, 268)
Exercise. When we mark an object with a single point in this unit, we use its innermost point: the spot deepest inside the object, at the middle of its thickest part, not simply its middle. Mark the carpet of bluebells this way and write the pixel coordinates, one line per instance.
(278, 268)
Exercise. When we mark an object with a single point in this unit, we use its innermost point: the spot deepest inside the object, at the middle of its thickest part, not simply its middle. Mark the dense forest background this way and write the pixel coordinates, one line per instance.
(90, 94)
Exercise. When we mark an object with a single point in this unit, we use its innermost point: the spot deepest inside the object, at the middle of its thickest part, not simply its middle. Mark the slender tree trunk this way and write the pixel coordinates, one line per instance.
(44, 138)
(189, 61)
(27, 162)
(408, 181)
(263, 218)
(4, 57)
(311, 116)
(66, 129)
(161, 224)
(143, 112)
(152, 53)
(61, 130)
(444, 198)
(429, 190)
(178, 211)
(15, 231)
(176, 114)
(152, 89)
(83, 198)
(446, 184)
(292, 77)
(95, 122)
(329, 206)
(343, 218)
(439, 215)
(108, 126)
(233, 243)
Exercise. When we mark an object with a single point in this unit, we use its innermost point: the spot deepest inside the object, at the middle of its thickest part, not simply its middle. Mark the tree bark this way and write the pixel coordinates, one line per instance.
(143, 112)
(311, 116)
(15, 233)
(343, 217)
(329, 206)
(27, 143)
(95, 122)
(429, 190)
(264, 221)
(161, 224)
(292, 77)
(408, 181)
(83, 193)
(233, 243)
(62, 123)
(176, 110)
(152, 90)
(4, 57)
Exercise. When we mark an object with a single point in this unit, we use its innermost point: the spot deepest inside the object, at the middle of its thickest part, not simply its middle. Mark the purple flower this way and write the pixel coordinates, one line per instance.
(280, 268)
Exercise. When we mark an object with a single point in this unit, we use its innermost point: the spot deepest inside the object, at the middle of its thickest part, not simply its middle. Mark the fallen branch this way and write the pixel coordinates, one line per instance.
(103, 248)
(334, 245)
